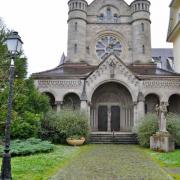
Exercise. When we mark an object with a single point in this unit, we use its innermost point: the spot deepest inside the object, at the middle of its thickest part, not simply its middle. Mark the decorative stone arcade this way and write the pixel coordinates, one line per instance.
(112, 108)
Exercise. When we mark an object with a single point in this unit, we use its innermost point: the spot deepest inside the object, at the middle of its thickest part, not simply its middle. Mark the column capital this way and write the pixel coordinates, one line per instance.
(59, 102)
(141, 97)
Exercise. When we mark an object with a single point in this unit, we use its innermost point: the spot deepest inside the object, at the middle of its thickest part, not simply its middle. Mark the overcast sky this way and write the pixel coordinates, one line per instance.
(42, 25)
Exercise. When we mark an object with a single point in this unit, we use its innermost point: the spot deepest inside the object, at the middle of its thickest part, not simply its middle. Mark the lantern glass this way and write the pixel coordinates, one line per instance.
(14, 43)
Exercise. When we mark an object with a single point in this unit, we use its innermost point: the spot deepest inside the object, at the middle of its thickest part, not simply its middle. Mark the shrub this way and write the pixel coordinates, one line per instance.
(65, 124)
(26, 126)
(29, 146)
(173, 126)
(149, 126)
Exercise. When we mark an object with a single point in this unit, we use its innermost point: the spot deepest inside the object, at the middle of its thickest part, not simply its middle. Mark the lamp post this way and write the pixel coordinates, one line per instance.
(14, 44)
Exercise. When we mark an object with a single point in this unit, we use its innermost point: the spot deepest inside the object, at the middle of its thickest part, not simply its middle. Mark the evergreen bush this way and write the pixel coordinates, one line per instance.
(29, 146)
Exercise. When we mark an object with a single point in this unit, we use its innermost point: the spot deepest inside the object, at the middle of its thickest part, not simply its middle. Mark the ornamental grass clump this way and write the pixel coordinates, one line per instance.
(29, 146)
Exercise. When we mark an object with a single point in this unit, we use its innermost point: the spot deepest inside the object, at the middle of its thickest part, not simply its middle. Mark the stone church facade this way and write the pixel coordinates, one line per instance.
(108, 71)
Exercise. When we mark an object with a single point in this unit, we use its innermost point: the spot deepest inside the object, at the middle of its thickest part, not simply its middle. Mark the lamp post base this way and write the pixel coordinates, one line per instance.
(6, 167)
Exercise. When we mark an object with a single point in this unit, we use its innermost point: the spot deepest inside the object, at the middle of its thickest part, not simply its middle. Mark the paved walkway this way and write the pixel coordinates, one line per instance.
(112, 162)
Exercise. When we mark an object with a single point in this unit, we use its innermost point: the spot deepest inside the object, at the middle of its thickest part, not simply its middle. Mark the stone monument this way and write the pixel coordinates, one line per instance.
(162, 141)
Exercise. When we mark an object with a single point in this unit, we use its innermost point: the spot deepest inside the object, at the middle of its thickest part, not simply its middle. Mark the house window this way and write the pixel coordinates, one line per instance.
(75, 26)
(75, 48)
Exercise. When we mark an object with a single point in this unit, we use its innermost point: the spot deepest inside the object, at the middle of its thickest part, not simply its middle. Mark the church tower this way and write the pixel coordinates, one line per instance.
(141, 31)
(77, 31)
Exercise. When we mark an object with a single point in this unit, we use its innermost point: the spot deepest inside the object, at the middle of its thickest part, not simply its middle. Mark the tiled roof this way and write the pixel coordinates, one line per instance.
(72, 70)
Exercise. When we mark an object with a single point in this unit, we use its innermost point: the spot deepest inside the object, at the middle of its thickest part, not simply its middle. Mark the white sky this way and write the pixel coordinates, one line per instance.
(42, 25)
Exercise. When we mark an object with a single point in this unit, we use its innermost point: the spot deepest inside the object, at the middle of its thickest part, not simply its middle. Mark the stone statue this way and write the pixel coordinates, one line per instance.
(161, 112)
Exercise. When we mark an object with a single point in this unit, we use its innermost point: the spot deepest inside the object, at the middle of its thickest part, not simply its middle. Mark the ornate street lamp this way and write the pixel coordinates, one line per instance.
(14, 45)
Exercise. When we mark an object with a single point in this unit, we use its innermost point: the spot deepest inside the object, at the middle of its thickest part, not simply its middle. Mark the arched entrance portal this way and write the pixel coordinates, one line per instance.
(112, 108)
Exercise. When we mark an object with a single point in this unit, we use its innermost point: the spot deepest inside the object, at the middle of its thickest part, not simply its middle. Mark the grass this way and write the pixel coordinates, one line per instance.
(169, 161)
(42, 166)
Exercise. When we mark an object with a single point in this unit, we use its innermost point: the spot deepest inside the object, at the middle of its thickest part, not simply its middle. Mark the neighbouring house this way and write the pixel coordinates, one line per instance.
(174, 32)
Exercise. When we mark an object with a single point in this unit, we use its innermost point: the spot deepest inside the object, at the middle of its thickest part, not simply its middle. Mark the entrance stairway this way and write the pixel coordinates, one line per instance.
(113, 138)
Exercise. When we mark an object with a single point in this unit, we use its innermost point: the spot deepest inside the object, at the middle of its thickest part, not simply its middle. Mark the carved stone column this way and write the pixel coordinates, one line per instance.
(84, 106)
(140, 107)
(59, 105)
(109, 120)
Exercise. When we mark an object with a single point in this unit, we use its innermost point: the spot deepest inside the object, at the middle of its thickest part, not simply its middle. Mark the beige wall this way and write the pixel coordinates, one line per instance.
(176, 51)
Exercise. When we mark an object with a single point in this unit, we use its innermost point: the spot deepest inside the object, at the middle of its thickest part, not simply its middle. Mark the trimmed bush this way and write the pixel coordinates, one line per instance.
(29, 146)
(149, 126)
(64, 124)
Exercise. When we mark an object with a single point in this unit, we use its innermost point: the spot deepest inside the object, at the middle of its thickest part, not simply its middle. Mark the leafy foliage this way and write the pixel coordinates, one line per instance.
(28, 104)
(173, 126)
(149, 126)
(29, 146)
(65, 124)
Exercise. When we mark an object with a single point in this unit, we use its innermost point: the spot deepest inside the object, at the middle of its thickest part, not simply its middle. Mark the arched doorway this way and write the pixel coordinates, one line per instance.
(51, 100)
(151, 100)
(71, 101)
(111, 108)
(174, 104)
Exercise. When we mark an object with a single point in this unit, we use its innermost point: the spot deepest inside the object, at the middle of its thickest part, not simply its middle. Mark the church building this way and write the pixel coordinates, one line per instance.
(111, 71)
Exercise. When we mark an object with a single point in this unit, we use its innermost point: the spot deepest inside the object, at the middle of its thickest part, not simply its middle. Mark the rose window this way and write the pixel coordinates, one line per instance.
(108, 45)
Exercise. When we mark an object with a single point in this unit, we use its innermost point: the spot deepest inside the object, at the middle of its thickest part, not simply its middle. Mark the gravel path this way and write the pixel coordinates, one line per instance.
(112, 162)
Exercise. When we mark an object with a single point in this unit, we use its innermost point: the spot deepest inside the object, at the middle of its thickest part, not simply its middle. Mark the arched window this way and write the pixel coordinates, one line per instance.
(75, 26)
(71, 101)
(109, 14)
(101, 16)
(75, 48)
(142, 27)
(80, 5)
(151, 100)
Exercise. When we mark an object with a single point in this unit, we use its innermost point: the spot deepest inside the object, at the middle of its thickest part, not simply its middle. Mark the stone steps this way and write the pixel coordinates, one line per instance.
(109, 138)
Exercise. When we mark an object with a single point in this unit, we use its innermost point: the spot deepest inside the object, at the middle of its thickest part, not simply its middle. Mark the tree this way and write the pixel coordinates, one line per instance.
(29, 105)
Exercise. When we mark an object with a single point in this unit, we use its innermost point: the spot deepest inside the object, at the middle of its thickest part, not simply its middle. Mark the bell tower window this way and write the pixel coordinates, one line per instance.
(143, 49)
(75, 26)
(75, 48)
(109, 14)
(142, 27)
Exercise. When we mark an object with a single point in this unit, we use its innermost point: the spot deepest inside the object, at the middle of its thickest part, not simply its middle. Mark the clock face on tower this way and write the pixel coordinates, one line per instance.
(108, 45)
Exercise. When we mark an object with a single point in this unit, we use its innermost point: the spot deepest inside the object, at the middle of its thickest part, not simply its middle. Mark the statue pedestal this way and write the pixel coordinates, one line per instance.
(162, 142)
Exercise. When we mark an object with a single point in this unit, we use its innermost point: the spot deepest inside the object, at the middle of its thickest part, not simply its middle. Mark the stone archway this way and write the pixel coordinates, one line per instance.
(151, 100)
(52, 100)
(112, 108)
(174, 104)
(71, 101)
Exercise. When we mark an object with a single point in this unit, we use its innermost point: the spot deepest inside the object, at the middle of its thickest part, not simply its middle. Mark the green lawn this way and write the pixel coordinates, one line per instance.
(42, 166)
(169, 161)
